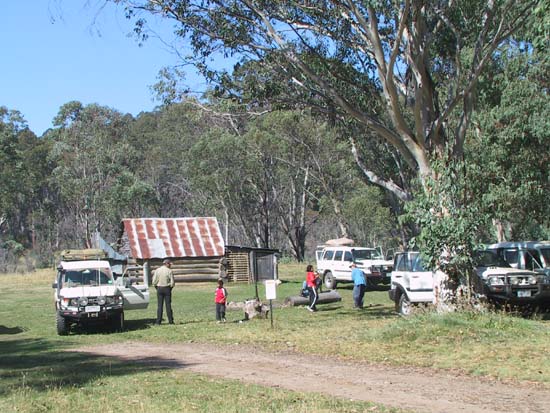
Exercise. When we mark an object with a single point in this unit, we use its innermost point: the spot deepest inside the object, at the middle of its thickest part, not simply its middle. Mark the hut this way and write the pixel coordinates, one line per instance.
(251, 264)
(195, 245)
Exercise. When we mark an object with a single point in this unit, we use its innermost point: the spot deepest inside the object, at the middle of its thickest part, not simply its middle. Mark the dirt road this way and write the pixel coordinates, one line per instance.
(421, 390)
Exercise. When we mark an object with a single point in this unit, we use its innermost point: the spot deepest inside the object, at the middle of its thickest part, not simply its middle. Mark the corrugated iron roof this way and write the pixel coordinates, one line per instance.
(174, 237)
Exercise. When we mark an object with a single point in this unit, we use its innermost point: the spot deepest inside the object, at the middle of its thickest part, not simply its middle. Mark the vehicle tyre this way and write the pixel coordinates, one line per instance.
(117, 322)
(63, 326)
(330, 281)
(405, 307)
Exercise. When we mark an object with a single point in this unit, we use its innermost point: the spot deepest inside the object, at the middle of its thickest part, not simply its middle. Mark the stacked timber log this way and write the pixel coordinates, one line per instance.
(193, 269)
(324, 298)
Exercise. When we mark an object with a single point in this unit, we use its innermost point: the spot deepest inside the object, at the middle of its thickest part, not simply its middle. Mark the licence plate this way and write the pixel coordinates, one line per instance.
(93, 308)
(524, 293)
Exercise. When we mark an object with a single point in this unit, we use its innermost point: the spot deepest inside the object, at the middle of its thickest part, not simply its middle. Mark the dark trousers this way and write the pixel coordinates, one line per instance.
(313, 295)
(358, 294)
(164, 295)
(220, 311)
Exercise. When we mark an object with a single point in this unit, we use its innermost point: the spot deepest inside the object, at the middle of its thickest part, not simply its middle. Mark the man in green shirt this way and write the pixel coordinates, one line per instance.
(163, 281)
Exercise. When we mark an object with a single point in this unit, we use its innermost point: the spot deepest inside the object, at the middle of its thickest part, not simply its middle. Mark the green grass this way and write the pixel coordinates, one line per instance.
(37, 375)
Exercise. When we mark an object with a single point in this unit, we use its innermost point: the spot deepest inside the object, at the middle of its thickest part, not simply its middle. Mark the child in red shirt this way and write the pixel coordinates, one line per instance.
(311, 280)
(220, 299)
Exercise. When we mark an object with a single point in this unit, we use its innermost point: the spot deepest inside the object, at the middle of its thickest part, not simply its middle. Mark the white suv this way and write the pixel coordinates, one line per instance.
(411, 284)
(333, 265)
(85, 292)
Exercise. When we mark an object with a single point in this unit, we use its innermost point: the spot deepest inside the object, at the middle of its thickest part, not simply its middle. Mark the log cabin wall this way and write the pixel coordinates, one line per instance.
(191, 269)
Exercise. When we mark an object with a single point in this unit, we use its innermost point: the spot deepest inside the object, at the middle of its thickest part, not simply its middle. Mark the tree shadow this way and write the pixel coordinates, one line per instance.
(42, 365)
(11, 330)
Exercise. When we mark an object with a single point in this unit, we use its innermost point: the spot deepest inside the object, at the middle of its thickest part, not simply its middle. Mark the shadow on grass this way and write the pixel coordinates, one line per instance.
(11, 330)
(129, 325)
(41, 366)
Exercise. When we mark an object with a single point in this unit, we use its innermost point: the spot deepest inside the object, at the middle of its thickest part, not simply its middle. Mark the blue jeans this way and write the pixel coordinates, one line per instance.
(358, 294)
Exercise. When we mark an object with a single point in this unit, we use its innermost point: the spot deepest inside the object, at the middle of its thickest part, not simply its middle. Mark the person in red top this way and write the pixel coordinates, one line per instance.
(220, 299)
(311, 282)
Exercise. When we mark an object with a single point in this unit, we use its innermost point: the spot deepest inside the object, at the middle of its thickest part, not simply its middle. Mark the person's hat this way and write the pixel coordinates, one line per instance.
(167, 261)
(352, 265)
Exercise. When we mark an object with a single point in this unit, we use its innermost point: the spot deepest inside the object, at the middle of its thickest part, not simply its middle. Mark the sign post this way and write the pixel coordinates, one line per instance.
(271, 294)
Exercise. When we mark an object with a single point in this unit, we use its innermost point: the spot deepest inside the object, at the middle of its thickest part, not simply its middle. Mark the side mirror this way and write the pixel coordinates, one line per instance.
(54, 285)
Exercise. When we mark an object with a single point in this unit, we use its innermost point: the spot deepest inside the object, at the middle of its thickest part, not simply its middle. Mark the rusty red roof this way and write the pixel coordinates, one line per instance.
(174, 237)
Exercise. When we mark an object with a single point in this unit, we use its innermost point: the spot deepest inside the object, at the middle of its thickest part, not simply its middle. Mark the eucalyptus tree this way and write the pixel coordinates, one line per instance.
(25, 198)
(510, 143)
(93, 162)
(11, 173)
(423, 58)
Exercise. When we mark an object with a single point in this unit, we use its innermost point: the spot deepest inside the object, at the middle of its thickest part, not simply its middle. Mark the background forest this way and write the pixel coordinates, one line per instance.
(286, 164)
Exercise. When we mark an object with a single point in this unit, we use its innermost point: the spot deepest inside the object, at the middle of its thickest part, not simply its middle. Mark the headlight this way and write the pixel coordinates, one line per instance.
(83, 301)
(514, 280)
(532, 280)
(101, 300)
(117, 299)
(74, 302)
(496, 281)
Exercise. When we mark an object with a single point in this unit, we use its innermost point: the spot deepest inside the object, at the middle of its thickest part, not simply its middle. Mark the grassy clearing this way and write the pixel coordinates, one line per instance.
(36, 375)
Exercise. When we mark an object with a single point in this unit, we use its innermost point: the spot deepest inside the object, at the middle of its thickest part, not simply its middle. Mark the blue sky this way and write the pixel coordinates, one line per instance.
(56, 51)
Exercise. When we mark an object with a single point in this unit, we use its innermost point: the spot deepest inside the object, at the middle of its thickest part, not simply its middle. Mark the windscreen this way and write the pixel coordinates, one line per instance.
(367, 255)
(489, 259)
(87, 276)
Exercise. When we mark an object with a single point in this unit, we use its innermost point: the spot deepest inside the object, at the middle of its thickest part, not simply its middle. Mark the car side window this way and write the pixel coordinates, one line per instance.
(348, 256)
(532, 260)
(418, 265)
(328, 255)
(338, 256)
(401, 263)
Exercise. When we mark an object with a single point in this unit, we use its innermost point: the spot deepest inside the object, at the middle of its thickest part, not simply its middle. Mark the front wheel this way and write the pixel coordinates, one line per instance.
(330, 281)
(404, 307)
(62, 325)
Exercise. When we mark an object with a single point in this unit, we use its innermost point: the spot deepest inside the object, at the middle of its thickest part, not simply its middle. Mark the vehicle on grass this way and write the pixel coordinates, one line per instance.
(503, 284)
(525, 255)
(496, 280)
(411, 284)
(333, 265)
(85, 293)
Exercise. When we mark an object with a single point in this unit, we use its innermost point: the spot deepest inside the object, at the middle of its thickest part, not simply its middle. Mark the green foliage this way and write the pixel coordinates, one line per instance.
(510, 144)
(370, 219)
(449, 216)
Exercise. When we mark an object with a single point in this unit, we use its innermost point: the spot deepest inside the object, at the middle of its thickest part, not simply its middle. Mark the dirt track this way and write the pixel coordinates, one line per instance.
(422, 390)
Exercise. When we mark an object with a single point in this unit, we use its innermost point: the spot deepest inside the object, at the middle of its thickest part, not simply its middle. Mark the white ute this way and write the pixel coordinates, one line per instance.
(86, 292)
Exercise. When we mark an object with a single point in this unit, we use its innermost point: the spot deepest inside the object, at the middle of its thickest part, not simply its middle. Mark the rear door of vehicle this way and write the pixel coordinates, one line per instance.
(400, 273)
(421, 280)
(341, 266)
(135, 292)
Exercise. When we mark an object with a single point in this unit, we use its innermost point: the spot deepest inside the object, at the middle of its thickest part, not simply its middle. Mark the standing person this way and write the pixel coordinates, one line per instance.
(359, 285)
(163, 281)
(311, 281)
(221, 300)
